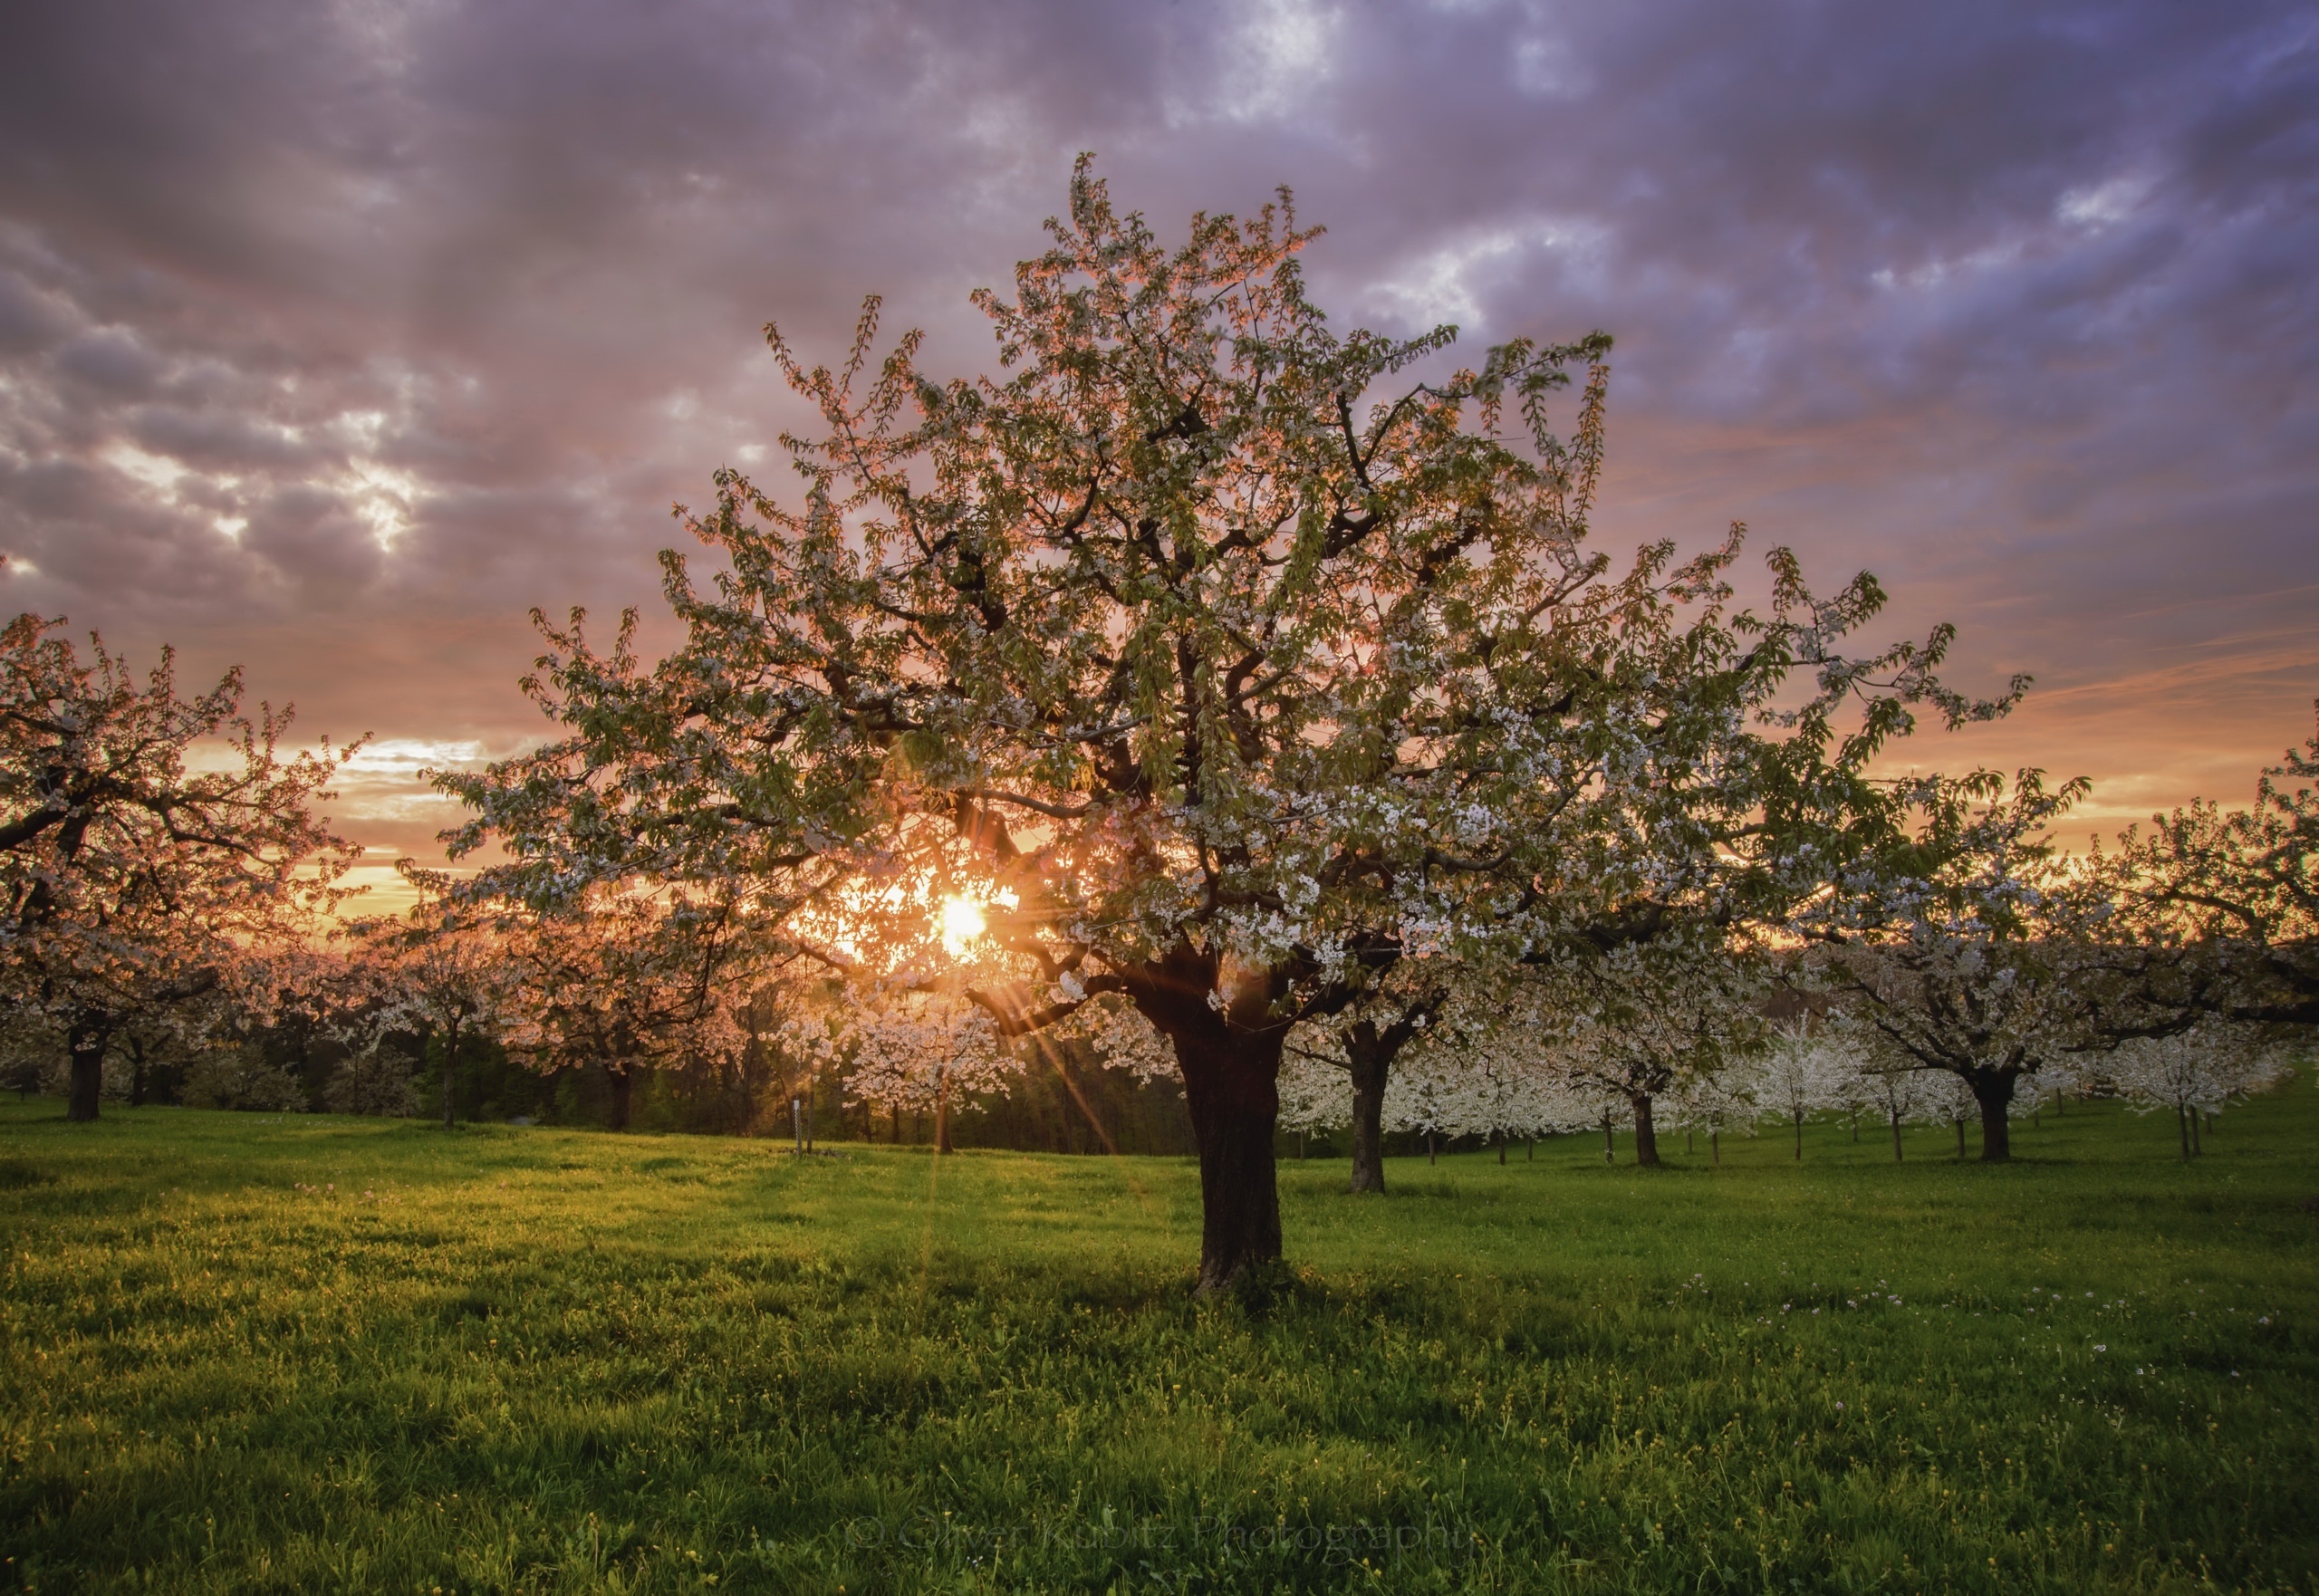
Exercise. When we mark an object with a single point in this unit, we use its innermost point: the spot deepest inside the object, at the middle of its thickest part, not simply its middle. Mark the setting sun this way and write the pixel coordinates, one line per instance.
(962, 922)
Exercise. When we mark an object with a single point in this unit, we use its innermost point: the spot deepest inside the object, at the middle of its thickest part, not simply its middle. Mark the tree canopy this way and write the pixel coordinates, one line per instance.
(1225, 659)
(129, 878)
(2226, 904)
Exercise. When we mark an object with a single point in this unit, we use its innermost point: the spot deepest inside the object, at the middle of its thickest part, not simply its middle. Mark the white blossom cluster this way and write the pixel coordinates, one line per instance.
(2200, 1070)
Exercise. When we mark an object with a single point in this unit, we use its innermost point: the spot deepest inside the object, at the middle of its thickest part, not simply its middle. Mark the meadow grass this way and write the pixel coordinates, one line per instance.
(311, 1354)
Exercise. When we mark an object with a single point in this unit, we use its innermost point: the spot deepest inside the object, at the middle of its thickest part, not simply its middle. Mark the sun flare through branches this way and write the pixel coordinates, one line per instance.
(962, 922)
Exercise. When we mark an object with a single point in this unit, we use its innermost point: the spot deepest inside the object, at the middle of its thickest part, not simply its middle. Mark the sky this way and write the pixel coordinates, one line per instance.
(337, 335)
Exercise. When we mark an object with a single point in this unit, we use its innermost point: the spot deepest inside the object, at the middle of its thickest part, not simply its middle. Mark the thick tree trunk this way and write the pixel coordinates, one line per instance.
(1230, 1063)
(1530, 1150)
(1994, 1091)
(1429, 1156)
(2197, 1143)
(85, 1041)
(1371, 1067)
(1799, 1136)
(1715, 1147)
(1646, 1134)
(624, 1083)
(1501, 1152)
(1229, 1057)
(1232, 1094)
(1609, 1147)
(1896, 1136)
(2182, 1124)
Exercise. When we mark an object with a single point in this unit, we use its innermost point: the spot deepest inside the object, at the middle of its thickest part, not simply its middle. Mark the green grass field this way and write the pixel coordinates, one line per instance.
(249, 1354)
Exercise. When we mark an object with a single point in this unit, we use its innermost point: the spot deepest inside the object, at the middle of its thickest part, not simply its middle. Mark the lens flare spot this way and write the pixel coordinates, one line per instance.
(962, 922)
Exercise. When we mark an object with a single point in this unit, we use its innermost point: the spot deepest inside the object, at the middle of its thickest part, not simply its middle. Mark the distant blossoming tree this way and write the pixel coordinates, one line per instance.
(1717, 1100)
(2195, 1072)
(1640, 1024)
(918, 1050)
(1973, 951)
(2218, 910)
(626, 980)
(1872, 1079)
(1474, 1063)
(132, 878)
(1804, 1069)
(441, 972)
(1338, 1060)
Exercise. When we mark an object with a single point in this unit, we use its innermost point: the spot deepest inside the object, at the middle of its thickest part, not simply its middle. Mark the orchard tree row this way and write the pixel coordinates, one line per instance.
(1650, 1036)
(1246, 701)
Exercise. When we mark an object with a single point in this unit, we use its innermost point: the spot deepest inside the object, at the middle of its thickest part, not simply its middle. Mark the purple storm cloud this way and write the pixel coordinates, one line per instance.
(334, 337)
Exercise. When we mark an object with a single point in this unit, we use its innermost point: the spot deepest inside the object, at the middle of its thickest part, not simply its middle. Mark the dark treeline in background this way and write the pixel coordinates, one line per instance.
(1064, 1102)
